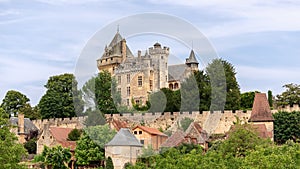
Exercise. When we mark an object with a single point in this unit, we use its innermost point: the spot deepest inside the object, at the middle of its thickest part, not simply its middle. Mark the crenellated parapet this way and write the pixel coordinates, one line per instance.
(72, 122)
(289, 108)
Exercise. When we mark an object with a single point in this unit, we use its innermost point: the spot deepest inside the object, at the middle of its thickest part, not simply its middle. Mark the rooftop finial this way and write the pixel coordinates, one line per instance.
(118, 28)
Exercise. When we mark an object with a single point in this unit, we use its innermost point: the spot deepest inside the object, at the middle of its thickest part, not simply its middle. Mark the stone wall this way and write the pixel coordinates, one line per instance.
(72, 122)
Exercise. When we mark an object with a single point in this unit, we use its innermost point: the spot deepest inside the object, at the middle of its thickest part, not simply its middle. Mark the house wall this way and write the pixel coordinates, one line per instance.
(122, 154)
(142, 135)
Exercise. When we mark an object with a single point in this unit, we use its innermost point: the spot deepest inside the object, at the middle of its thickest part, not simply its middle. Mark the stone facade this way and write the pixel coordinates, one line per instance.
(139, 76)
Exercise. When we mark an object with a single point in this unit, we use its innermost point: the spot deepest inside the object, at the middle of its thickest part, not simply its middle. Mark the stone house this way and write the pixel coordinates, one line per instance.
(137, 77)
(53, 136)
(149, 136)
(123, 148)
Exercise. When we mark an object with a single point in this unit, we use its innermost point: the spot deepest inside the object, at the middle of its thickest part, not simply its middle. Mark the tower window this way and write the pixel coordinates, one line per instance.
(140, 81)
(128, 78)
(162, 57)
(119, 79)
(151, 84)
(128, 91)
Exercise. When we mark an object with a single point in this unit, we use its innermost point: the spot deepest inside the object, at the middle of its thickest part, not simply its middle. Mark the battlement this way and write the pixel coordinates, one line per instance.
(289, 108)
(72, 122)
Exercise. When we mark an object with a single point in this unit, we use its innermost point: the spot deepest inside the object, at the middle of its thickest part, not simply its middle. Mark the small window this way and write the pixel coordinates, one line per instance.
(128, 78)
(135, 132)
(111, 58)
(127, 102)
(142, 141)
(137, 101)
(128, 91)
(140, 132)
(119, 79)
(151, 84)
(140, 81)
(162, 57)
(43, 137)
(50, 137)
(119, 90)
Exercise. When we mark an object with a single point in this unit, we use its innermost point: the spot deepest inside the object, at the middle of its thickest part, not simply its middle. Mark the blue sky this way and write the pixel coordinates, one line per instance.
(45, 37)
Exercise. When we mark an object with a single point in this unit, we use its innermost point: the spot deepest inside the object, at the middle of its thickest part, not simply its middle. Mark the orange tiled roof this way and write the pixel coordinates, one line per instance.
(119, 124)
(176, 139)
(152, 131)
(261, 110)
(61, 136)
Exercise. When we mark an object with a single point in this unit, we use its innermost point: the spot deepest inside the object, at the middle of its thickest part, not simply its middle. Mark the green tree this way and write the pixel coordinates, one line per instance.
(286, 126)
(109, 163)
(290, 96)
(30, 112)
(157, 102)
(90, 147)
(95, 117)
(270, 98)
(57, 157)
(74, 135)
(106, 95)
(11, 151)
(190, 97)
(247, 99)
(30, 146)
(204, 90)
(62, 99)
(224, 86)
(173, 100)
(13, 102)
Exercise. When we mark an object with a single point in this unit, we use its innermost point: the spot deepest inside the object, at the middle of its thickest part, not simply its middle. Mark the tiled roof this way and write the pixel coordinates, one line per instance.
(201, 134)
(175, 139)
(61, 136)
(124, 137)
(261, 110)
(28, 125)
(149, 130)
(176, 72)
(119, 124)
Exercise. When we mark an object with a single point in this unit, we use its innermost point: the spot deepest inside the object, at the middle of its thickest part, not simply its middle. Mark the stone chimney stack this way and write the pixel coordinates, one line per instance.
(21, 127)
(123, 42)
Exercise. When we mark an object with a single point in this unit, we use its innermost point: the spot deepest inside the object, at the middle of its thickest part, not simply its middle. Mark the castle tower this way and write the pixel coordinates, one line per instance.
(261, 114)
(192, 62)
(21, 127)
(159, 58)
(115, 54)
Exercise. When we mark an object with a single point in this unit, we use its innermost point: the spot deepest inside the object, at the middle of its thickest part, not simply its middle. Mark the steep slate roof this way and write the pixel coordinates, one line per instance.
(175, 139)
(176, 72)
(28, 125)
(61, 136)
(261, 111)
(149, 130)
(124, 138)
(192, 58)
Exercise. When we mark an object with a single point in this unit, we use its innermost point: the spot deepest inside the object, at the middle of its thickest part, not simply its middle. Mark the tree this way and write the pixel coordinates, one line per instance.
(57, 157)
(247, 99)
(270, 98)
(109, 163)
(11, 151)
(224, 86)
(290, 96)
(190, 98)
(107, 97)
(30, 146)
(286, 127)
(90, 146)
(157, 102)
(74, 135)
(204, 90)
(62, 99)
(173, 100)
(30, 112)
(13, 102)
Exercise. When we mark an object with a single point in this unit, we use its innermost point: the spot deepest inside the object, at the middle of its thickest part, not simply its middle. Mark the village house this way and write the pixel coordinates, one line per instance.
(123, 148)
(149, 136)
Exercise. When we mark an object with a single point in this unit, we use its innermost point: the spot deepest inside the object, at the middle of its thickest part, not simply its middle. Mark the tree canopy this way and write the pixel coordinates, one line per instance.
(62, 99)
(247, 99)
(13, 102)
(290, 96)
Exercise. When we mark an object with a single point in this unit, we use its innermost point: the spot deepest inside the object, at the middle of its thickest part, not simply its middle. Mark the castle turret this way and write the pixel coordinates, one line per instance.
(192, 61)
(21, 126)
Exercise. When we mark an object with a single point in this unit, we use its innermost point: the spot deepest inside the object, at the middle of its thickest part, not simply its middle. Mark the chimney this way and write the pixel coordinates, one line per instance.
(123, 42)
(139, 54)
(21, 128)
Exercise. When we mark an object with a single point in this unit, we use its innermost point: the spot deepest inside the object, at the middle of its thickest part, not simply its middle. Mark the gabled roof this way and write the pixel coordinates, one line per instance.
(261, 111)
(152, 131)
(117, 38)
(175, 139)
(28, 125)
(61, 136)
(124, 137)
(201, 135)
(176, 72)
(192, 58)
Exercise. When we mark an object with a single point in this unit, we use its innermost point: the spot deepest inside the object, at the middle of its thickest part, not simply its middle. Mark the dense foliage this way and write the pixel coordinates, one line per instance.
(30, 146)
(13, 102)
(57, 157)
(11, 151)
(242, 149)
(109, 163)
(290, 96)
(74, 135)
(62, 99)
(247, 100)
(90, 147)
(286, 127)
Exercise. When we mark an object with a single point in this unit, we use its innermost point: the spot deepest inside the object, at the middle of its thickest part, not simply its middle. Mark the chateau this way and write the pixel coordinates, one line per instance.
(138, 76)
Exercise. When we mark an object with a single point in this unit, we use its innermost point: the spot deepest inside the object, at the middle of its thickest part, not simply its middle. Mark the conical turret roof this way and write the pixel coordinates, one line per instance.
(261, 111)
(192, 58)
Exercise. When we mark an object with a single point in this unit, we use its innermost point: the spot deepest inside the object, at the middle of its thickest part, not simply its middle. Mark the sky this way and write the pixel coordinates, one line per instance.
(42, 38)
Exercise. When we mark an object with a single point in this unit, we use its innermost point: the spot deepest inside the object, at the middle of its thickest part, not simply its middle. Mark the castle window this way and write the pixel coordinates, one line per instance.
(162, 57)
(170, 86)
(135, 132)
(137, 101)
(166, 78)
(140, 132)
(176, 86)
(119, 79)
(151, 84)
(128, 91)
(142, 141)
(127, 102)
(128, 78)
(140, 81)
(111, 58)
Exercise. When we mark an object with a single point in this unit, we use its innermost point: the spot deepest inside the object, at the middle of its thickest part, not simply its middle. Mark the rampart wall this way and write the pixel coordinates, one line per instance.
(72, 122)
